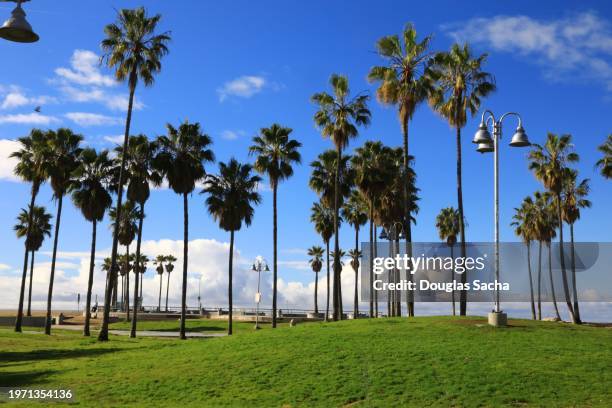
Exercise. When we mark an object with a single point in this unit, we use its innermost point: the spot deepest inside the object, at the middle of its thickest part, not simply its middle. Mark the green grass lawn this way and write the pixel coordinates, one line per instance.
(426, 361)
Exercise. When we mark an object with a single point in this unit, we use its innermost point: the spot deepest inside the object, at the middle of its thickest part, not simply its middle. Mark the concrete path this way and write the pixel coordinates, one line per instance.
(143, 333)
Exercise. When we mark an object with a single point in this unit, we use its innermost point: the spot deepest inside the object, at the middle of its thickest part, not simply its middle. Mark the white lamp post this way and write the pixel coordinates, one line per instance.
(487, 144)
(17, 28)
(260, 265)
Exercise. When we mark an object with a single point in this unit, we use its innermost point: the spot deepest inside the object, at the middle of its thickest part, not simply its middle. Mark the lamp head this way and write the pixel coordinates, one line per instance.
(519, 139)
(485, 148)
(383, 234)
(17, 28)
(267, 268)
(482, 135)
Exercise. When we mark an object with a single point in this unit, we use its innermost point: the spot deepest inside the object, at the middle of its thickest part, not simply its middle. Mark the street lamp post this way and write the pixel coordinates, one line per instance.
(259, 266)
(392, 232)
(17, 28)
(487, 144)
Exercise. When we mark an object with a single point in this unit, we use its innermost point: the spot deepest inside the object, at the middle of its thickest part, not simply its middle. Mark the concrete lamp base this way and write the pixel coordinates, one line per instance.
(498, 319)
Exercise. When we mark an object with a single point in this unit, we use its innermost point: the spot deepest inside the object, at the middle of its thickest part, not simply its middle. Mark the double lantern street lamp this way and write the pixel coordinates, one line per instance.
(486, 144)
(259, 266)
(17, 28)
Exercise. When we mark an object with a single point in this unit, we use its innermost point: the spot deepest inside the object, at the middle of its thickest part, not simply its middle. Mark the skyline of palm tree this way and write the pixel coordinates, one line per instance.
(605, 163)
(315, 253)
(323, 219)
(447, 224)
(523, 221)
(275, 155)
(170, 259)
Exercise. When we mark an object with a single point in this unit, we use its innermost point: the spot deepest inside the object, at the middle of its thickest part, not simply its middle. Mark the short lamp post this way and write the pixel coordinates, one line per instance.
(486, 144)
(259, 266)
(17, 28)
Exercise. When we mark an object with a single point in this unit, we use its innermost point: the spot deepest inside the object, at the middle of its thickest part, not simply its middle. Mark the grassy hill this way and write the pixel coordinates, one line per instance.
(425, 361)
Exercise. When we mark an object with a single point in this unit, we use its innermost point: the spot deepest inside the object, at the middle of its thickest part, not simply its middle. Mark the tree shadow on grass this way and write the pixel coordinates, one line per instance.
(51, 354)
(25, 378)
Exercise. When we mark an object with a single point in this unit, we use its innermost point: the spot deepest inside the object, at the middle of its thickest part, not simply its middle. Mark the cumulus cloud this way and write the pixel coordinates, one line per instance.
(7, 164)
(17, 98)
(576, 47)
(85, 70)
(33, 118)
(242, 87)
(92, 119)
(116, 139)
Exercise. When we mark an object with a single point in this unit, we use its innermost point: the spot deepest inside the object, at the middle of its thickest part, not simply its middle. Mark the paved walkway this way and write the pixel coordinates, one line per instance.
(143, 333)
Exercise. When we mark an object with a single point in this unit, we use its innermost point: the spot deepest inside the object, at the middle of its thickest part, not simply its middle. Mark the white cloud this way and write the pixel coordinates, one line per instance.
(85, 70)
(243, 87)
(33, 118)
(576, 47)
(7, 164)
(117, 102)
(4, 267)
(118, 139)
(232, 134)
(18, 98)
(92, 119)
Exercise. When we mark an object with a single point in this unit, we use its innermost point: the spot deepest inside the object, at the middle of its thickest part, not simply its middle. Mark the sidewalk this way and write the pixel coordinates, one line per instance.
(141, 333)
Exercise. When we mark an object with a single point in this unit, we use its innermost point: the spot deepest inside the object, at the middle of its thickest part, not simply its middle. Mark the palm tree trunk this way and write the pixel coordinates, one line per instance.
(29, 312)
(355, 296)
(566, 292)
(375, 255)
(92, 262)
(408, 242)
(539, 280)
(138, 274)
(398, 293)
(185, 254)
(19, 319)
(577, 319)
(327, 303)
(371, 260)
(336, 285)
(533, 312)
(167, 290)
(127, 282)
(390, 303)
(161, 275)
(316, 305)
(230, 280)
(54, 256)
(462, 293)
(112, 274)
(552, 284)
(274, 261)
(453, 280)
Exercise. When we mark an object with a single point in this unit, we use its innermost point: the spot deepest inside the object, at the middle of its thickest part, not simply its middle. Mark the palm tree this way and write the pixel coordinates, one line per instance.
(524, 223)
(323, 219)
(139, 270)
(41, 227)
(315, 253)
(181, 158)
(405, 82)
(338, 117)
(139, 174)
(135, 51)
(574, 198)
(355, 254)
(461, 85)
(605, 163)
(159, 262)
(170, 259)
(63, 151)
(355, 212)
(127, 227)
(276, 154)
(31, 167)
(549, 163)
(322, 179)
(372, 171)
(447, 223)
(106, 267)
(231, 196)
(91, 196)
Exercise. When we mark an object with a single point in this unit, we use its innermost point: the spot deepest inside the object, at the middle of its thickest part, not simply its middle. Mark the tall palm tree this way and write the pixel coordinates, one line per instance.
(525, 228)
(231, 197)
(276, 154)
(372, 171)
(170, 259)
(355, 254)
(574, 198)
(140, 268)
(139, 174)
(605, 163)
(31, 167)
(461, 85)
(134, 50)
(338, 117)
(106, 267)
(63, 152)
(447, 223)
(549, 163)
(127, 228)
(40, 227)
(405, 82)
(159, 262)
(181, 159)
(323, 219)
(315, 253)
(355, 212)
(322, 179)
(90, 195)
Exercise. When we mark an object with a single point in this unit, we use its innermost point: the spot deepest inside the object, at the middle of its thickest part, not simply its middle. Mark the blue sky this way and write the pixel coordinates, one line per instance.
(236, 67)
